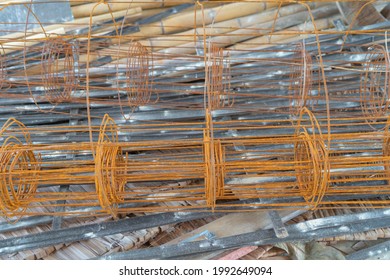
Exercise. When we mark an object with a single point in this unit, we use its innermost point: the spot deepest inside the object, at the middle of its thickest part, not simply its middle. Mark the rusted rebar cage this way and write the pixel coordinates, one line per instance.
(175, 106)
(294, 170)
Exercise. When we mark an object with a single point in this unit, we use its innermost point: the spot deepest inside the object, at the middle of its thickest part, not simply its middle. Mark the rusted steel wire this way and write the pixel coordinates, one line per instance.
(58, 71)
(300, 79)
(3, 70)
(218, 67)
(16, 192)
(138, 79)
(375, 87)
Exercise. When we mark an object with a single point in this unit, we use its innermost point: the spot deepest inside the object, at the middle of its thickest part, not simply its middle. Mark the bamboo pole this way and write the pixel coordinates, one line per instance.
(70, 26)
(94, 9)
(215, 29)
(224, 15)
(284, 36)
(12, 46)
(190, 19)
(256, 30)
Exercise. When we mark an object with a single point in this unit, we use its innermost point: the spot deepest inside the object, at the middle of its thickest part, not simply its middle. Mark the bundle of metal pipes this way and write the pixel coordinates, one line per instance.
(220, 106)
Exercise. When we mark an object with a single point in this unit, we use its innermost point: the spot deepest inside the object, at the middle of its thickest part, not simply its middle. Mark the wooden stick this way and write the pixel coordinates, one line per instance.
(238, 253)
